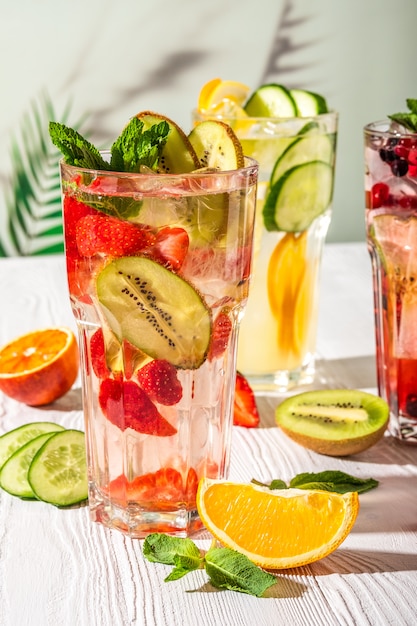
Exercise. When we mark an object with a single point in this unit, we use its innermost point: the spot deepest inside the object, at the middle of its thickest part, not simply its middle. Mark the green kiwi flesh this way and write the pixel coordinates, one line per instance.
(155, 310)
(334, 422)
(178, 155)
(216, 145)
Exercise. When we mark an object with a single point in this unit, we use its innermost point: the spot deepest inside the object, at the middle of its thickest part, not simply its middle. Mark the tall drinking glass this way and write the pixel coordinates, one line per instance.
(158, 293)
(391, 224)
(277, 340)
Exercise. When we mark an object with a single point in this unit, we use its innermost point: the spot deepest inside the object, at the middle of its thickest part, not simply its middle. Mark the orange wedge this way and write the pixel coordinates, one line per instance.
(216, 91)
(39, 367)
(276, 529)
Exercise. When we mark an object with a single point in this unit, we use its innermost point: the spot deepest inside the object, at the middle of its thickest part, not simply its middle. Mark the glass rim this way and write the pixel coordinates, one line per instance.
(386, 128)
(332, 114)
(250, 166)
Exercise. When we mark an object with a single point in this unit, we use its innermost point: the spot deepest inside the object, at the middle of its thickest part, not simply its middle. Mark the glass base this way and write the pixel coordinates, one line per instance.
(283, 380)
(138, 523)
(403, 428)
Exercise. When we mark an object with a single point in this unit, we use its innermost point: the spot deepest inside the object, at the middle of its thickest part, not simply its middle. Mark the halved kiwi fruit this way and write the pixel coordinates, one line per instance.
(334, 422)
(178, 156)
(155, 310)
(216, 145)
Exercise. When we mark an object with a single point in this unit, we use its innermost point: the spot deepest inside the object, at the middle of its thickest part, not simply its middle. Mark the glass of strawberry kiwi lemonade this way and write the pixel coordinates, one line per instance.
(292, 134)
(391, 222)
(158, 262)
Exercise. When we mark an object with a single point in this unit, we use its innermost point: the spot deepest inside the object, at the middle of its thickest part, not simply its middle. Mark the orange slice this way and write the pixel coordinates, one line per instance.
(276, 529)
(217, 91)
(39, 367)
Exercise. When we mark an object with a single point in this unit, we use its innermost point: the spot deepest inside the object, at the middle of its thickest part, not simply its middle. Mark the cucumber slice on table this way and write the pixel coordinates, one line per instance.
(306, 148)
(14, 473)
(58, 472)
(271, 100)
(308, 102)
(16, 438)
(303, 193)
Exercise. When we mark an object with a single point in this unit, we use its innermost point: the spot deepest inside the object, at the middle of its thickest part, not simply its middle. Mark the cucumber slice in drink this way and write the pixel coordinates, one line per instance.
(14, 473)
(16, 438)
(306, 148)
(303, 193)
(308, 102)
(271, 100)
(58, 472)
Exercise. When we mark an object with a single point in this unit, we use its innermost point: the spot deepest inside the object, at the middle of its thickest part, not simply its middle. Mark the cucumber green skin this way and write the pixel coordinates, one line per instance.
(13, 474)
(283, 211)
(67, 484)
(16, 438)
(271, 100)
(302, 151)
(308, 102)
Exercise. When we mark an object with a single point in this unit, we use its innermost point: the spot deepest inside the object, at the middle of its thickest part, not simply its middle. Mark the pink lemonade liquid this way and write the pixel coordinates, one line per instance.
(391, 217)
(157, 297)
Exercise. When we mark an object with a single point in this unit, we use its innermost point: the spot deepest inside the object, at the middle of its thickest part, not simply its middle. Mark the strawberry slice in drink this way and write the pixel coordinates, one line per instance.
(126, 405)
(163, 489)
(245, 411)
(102, 234)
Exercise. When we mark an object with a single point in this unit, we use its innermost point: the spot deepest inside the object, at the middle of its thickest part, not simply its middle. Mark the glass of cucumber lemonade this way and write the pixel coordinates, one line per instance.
(391, 223)
(158, 237)
(292, 135)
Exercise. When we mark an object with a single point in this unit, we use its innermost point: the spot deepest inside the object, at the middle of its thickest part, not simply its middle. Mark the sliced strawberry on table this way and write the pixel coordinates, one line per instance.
(170, 247)
(108, 235)
(160, 381)
(222, 328)
(126, 405)
(245, 410)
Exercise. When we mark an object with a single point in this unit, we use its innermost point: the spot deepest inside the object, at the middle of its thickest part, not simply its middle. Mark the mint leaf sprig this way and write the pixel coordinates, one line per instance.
(408, 120)
(133, 148)
(329, 480)
(226, 568)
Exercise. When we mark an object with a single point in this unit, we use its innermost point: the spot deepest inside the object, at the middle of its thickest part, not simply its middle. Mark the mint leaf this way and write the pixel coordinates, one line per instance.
(412, 104)
(232, 570)
(161, 548)
(75, 148)
(136, 147)
(329, 480)
(333, 480)
(408, 120)
(275, 484)
(183, 565)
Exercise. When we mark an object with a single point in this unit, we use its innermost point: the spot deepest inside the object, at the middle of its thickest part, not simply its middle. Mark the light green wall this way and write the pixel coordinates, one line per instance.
(112, 59)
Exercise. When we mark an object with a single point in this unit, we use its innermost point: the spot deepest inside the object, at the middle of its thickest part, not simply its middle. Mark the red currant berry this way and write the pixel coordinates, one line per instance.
(379, 195)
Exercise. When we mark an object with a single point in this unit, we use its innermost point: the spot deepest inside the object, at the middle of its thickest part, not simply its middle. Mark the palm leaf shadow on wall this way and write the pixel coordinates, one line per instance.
(284, 47)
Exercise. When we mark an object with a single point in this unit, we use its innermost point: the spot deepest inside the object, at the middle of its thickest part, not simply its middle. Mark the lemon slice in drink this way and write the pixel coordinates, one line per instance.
(218, 93)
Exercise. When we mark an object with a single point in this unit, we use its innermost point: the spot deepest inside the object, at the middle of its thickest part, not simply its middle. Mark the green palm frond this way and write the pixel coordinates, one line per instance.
(33, 195)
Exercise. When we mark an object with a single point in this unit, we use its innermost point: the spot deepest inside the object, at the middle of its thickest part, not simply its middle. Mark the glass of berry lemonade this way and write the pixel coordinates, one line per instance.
(391, 223)
(158, 264)
(292, 135)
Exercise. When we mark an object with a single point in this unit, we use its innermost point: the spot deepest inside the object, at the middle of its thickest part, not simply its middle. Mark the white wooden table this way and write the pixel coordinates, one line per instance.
(57, 568)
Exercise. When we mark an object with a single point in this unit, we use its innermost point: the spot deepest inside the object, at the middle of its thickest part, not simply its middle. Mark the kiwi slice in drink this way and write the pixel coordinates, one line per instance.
(216, 145)
(334, 422)
(178, 156)
(155, 310)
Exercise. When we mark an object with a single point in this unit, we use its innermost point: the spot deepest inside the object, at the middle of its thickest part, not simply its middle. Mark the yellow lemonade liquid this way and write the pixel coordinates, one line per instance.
(277, 336)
